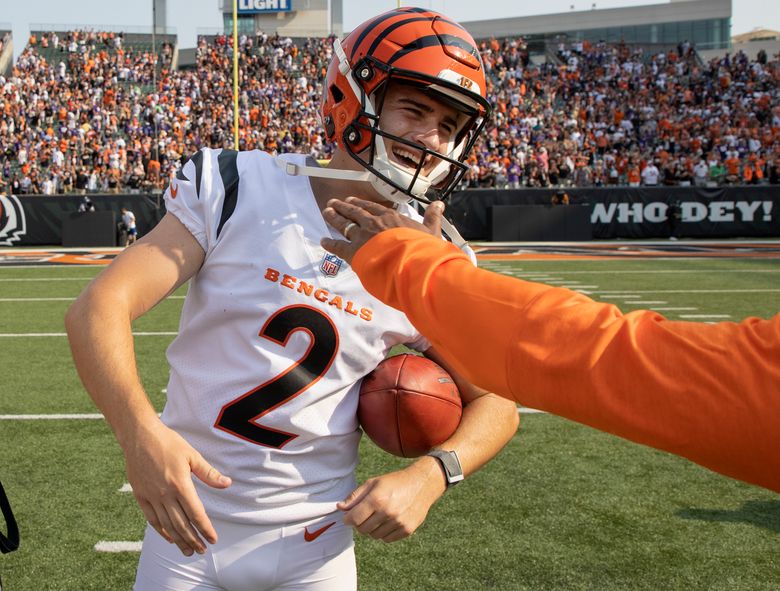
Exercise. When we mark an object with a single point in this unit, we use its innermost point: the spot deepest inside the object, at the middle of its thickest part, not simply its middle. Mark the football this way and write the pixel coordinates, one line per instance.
(408, 405)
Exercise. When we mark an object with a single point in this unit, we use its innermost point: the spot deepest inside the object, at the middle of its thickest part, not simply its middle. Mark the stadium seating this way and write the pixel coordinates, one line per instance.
(78, 112)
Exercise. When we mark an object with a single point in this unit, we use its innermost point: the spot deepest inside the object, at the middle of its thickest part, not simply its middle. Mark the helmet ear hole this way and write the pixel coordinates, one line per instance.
(330, 127)
(336, 93)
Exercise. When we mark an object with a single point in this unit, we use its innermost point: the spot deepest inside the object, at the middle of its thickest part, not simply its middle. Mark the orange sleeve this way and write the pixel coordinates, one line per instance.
(707, 392)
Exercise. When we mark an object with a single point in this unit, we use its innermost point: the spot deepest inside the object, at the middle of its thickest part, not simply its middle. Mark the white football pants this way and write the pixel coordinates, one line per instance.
(305, 556)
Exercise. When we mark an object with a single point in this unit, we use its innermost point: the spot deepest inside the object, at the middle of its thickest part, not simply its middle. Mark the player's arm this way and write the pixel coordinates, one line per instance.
(706, 392)
(391, 507)
(159, 462)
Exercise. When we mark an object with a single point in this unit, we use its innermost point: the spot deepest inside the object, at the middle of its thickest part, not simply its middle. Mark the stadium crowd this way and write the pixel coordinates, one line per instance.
(81, 112)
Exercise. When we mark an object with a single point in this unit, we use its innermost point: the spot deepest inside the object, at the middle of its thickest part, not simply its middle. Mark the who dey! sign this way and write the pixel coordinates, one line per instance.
(259, 6)
(691, 211)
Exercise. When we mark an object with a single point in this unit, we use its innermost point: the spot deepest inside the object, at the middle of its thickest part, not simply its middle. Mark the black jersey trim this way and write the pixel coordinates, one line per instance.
(228, 171)
(197, 160)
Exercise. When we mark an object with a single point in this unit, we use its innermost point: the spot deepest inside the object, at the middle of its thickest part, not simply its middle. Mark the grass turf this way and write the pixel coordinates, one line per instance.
(562, 507)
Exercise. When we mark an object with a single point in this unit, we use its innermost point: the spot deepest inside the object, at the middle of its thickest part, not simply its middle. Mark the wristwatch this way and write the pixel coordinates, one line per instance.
(450, 463)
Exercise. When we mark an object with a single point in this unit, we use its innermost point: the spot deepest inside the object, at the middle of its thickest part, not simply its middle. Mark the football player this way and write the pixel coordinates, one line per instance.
(250, 469)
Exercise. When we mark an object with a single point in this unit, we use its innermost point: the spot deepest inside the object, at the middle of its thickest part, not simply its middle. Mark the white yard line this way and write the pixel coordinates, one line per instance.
(646, 302)
(62, 299)
(654, 271)
(51, 417)
(705, 315)
(37, 299)
(104, 546)
(62, 334)
(47, 279)
(665, 309)
(769, 290)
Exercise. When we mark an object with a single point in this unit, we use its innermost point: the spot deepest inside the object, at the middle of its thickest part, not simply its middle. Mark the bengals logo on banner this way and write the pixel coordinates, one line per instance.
(13, 224)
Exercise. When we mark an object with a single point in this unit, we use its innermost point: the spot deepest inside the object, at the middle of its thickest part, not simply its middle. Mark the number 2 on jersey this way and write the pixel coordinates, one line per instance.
(239, 417)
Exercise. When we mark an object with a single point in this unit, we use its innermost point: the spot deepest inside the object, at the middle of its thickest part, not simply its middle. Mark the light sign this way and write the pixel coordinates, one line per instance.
(258, 6)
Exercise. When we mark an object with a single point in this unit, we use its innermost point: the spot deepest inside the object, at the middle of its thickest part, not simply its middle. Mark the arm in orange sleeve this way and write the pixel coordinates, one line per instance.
(707, 392)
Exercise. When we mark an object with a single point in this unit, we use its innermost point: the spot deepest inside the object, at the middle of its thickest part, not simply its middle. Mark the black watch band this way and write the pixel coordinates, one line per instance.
(453, 472)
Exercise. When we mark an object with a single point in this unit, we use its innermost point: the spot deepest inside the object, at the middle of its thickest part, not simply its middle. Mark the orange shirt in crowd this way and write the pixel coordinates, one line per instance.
(708, 392)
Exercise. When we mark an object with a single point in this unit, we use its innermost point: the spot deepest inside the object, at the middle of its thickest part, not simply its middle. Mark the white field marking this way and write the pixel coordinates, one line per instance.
(108, 249)
(62, 334)
(50, 417)
(63, 299)
(77, 266)
(705, 315)
(653, 271)
(524, 410)
(578, 286)
(559, 281)
(164, 390)
(770, 290)
(624, 296)
(47, 279)
(37, 299)
(126, 488)
(665, 309)
(646, 302)
(104, 546)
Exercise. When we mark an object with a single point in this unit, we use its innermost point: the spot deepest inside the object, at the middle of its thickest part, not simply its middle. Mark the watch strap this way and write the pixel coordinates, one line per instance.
(453, 471)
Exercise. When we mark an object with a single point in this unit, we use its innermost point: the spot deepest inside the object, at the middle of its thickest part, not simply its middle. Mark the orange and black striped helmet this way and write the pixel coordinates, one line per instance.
(413, 46)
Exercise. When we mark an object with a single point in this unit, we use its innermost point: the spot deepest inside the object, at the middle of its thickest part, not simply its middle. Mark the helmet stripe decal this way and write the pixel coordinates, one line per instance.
(392, 14)
(432, 41)
(390, 29)
(368, 28)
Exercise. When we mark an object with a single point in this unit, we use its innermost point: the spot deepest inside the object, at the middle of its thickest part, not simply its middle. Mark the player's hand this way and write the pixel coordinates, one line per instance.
(391, 507)
(359, 221)
(159, 465)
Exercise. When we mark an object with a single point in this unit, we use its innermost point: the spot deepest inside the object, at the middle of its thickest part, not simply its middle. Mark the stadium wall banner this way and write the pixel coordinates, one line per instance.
(38, 220)
(625, 212)
(260, 6)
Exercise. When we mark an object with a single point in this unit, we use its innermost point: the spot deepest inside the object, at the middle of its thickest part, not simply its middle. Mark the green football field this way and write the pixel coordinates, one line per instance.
(562, 507)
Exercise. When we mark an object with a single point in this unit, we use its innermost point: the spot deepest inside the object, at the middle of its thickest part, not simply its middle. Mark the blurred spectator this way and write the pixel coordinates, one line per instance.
(650, 175)
(86, 205)
(560, 197)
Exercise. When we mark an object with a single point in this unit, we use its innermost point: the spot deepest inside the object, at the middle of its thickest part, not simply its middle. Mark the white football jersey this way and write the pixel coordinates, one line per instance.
(274, 338)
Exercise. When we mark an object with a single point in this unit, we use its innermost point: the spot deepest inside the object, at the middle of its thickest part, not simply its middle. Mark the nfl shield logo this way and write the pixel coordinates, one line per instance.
(331, 264)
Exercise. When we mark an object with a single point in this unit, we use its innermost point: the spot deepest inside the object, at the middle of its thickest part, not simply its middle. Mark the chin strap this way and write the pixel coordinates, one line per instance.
(351, 175)
(327, 173)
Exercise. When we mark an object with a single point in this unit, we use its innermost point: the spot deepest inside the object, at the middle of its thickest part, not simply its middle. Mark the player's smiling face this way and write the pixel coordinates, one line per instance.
(413, 115)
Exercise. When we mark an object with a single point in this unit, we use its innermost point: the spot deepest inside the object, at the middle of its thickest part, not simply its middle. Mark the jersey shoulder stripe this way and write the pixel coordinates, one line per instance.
(197, 160)
(228, 172)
